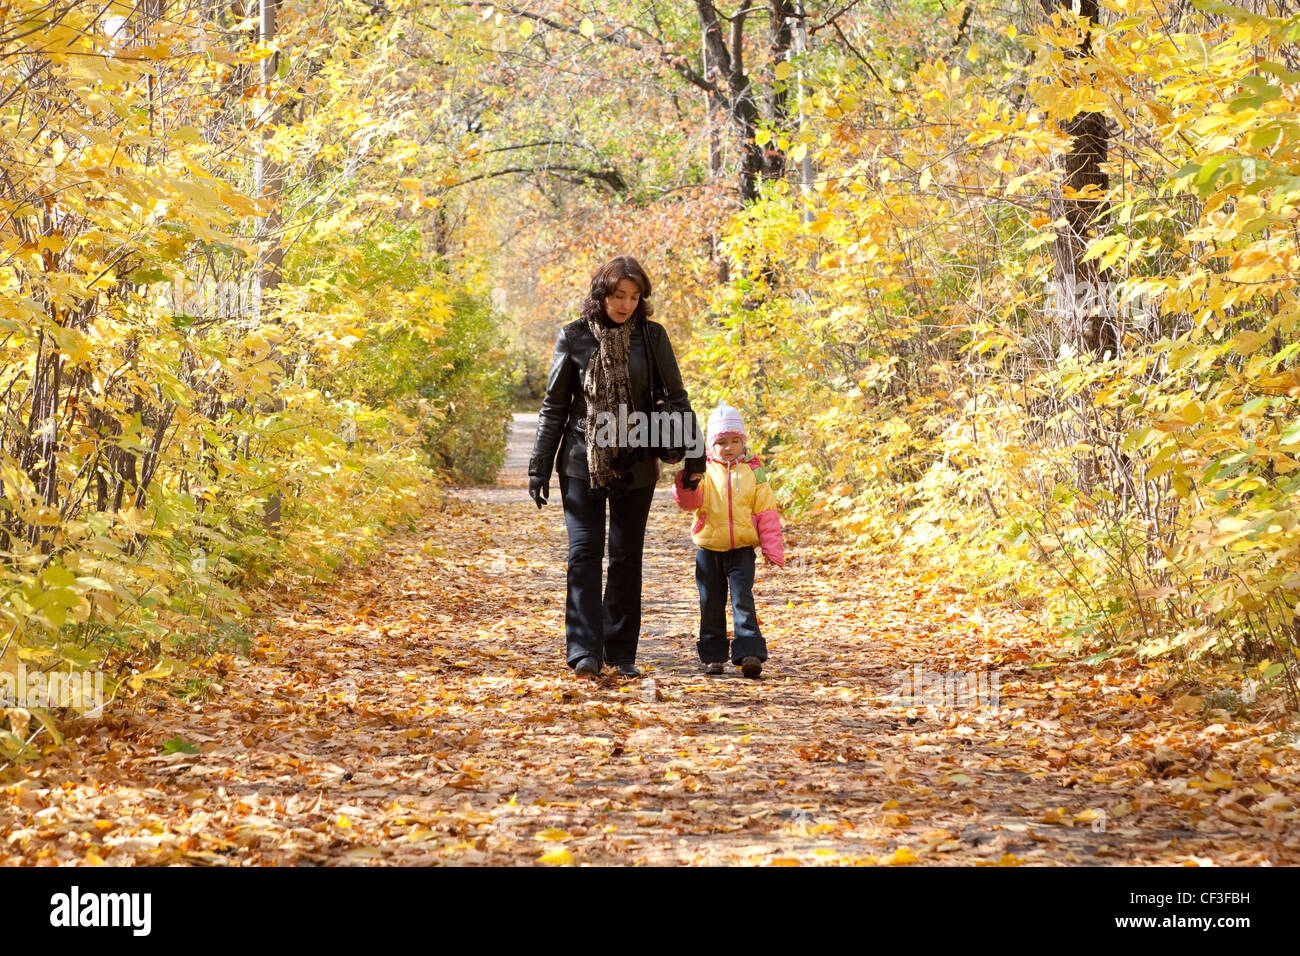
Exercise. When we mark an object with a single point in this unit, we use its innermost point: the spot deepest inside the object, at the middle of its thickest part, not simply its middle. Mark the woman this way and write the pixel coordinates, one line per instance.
(600, 363)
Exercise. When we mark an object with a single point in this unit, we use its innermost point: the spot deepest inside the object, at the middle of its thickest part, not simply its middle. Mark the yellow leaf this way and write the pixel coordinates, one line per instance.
(782, 70)
(18, 720)
(1159, 111)
(552, 834)
(560, 857)
(157, 673)
(901, 857)
(1098, 246)
(587, 28)
(1219, 780)
(342, 821)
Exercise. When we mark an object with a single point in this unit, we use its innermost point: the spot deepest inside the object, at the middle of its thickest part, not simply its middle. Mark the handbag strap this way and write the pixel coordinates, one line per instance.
(665, 456)
(655, 376)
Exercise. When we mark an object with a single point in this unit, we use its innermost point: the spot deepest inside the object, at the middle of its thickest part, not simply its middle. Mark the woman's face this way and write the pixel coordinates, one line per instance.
(622, 302)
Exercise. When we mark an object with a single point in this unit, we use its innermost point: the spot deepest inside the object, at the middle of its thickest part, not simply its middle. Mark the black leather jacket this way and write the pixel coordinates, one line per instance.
(562, 421)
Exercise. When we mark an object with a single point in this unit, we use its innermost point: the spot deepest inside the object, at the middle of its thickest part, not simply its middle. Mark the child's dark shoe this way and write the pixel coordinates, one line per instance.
(751, 666)
(713, 667)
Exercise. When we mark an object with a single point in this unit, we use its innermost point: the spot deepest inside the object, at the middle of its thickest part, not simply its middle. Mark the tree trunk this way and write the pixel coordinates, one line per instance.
(781, 14)
(1080, 302)
(724, 67)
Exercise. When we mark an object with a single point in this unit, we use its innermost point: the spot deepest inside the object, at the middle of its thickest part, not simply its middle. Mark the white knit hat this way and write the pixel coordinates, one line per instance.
(725, 420)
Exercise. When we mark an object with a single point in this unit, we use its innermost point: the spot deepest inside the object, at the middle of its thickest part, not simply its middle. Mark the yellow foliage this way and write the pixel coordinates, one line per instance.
(900, 348)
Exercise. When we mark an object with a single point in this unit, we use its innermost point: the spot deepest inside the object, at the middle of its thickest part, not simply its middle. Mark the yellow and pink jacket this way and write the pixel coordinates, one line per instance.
(734, 508)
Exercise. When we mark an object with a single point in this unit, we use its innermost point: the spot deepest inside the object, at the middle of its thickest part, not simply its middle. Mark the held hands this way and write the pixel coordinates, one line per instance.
(539, 489)
(691, 480)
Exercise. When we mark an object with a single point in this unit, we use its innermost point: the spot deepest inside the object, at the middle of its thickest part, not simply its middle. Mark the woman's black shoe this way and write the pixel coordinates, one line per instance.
(587, 667)
(627, 670)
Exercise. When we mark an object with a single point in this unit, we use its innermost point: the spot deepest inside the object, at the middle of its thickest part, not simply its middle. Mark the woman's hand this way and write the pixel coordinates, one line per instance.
(691, 479)
(539, 489)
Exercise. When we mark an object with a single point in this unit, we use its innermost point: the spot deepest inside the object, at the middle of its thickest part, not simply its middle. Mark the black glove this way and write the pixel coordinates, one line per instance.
(539, 489)
(689, 482)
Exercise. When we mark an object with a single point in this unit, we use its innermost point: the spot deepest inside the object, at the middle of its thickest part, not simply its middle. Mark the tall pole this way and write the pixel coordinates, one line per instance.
(268, 186)
(806, 172)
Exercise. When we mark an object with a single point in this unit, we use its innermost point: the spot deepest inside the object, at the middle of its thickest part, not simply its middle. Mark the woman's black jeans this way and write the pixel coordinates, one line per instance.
(714, 570)
(606, 626)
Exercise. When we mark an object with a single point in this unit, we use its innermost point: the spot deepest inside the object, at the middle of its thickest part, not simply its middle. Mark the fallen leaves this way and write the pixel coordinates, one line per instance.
(421, 714)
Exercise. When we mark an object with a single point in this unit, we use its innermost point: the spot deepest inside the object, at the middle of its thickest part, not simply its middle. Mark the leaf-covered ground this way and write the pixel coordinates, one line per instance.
(419, 712)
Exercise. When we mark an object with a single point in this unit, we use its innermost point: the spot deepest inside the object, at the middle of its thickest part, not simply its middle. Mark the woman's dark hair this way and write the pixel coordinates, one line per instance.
(606, 280)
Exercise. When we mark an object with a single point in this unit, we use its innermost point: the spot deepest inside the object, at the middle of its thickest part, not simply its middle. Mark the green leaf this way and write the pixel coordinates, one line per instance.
(48, 722)
(149, 275)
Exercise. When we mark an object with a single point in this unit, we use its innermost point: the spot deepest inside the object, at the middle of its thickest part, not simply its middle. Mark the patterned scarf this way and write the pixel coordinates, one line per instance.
(606, 386)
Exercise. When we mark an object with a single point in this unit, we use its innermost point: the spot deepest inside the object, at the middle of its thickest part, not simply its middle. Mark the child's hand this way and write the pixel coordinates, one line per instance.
(768, 559)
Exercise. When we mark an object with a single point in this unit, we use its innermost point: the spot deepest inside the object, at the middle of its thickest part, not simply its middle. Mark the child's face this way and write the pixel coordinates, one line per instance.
(728, 447)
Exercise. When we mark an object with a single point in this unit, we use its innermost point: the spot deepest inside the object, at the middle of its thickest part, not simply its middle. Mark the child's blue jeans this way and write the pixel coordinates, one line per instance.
(714, 571)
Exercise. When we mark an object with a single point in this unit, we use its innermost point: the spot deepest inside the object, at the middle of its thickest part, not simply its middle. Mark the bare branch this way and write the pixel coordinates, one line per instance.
(676, 63)
(610, 177)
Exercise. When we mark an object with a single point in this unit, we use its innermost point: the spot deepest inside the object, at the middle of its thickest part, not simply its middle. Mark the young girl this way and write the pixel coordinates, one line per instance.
(735, 510)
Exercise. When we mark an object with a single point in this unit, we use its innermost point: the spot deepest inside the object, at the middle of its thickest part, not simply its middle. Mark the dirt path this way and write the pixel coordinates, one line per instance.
(420, 712)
